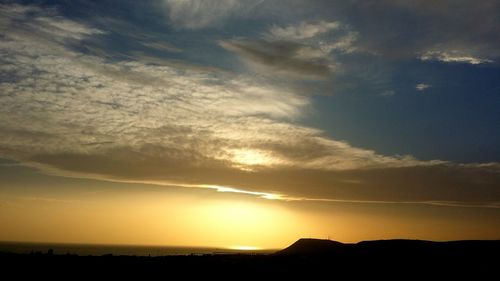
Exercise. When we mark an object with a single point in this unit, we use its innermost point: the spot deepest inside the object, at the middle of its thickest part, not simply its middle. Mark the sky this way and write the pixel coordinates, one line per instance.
(254, 123)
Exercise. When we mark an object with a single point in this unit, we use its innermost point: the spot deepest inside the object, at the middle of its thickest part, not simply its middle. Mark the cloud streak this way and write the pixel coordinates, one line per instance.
(453, 57)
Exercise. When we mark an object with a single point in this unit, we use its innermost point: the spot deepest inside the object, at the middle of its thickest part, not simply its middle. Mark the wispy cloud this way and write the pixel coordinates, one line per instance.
(282, 57)
(442, 30)
(422, 87)
(300, 50)
(303, 30)
(323, 37)
(195, 14)
(453, 57)
(388, 93)
(44, 22)
(162, 46)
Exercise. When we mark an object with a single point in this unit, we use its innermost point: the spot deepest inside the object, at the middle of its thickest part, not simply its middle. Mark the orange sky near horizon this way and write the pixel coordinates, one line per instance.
(100, 212)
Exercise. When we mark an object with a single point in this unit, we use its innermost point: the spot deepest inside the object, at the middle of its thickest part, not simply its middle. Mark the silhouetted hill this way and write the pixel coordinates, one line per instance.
(392, 257)
(400, 247)
(310, 246)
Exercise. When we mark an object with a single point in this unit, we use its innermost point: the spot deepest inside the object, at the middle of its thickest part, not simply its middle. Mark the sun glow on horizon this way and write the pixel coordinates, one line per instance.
(245, 225)
(245, 248)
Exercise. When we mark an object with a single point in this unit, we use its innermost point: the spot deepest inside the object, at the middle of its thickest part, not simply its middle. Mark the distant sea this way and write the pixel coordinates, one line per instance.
(117, 250)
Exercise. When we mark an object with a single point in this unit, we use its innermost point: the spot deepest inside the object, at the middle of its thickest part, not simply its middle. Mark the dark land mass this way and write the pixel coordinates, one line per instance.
(309, 258)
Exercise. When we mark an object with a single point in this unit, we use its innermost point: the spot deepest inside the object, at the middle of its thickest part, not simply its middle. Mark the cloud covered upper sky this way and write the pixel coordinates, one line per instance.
(74, 103)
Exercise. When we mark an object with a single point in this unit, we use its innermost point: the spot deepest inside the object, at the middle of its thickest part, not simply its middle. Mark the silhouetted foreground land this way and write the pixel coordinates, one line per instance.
(306, 257)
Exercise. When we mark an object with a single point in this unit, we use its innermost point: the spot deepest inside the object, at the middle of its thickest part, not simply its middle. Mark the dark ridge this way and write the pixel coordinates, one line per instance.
(309, 259)
(311, 246)
(393, 248)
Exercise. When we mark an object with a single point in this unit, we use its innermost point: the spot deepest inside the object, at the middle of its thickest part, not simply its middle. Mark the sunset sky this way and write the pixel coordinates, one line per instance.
(235, 123)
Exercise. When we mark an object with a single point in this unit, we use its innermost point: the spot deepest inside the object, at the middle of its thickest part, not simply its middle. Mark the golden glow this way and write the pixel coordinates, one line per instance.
(156, 216)
(151, 218)
(245, 248)
(244, 223)
(252, 157)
